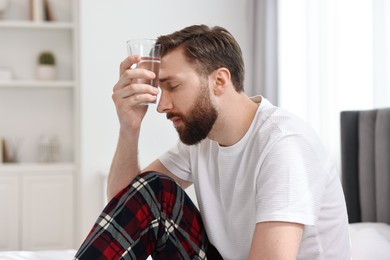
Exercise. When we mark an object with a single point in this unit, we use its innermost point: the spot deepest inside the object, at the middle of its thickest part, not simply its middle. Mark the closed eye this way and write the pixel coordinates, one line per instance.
(170, 87)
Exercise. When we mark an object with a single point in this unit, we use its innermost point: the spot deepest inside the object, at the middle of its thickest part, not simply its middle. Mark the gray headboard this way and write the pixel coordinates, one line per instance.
(365, 158)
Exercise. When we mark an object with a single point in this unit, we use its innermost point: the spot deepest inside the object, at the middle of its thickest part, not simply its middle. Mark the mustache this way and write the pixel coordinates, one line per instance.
(171, 115)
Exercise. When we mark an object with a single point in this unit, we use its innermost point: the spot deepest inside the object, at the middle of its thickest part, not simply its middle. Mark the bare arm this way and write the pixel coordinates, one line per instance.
(276, 240)
(128, 98)
(124, 166)
(159, 167)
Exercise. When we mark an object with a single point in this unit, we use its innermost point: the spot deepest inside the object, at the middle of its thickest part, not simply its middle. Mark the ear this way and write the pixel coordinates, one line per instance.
(220, 80)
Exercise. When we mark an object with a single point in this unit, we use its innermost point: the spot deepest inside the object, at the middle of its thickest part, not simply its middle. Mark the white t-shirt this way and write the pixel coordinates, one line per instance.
(279, 171)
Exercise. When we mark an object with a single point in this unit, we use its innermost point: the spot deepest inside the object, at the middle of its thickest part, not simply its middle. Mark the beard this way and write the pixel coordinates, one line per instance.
(199, 121)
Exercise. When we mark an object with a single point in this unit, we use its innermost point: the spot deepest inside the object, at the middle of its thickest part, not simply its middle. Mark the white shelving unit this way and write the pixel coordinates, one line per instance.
(37, 84)
(37, 199)
(36, 25)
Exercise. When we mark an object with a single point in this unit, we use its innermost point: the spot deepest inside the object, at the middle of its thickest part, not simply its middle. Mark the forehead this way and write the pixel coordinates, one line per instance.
(175, 64)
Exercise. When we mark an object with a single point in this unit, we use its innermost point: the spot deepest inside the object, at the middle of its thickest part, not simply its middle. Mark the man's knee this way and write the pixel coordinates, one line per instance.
(155, 181)
(155, 176)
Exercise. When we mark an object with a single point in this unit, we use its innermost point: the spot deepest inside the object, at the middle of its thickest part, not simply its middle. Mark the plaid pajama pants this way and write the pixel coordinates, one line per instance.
(152, 216)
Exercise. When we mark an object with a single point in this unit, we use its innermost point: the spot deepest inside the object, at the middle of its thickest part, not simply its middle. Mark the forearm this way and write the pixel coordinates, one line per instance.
(125, 166)
(129, 99)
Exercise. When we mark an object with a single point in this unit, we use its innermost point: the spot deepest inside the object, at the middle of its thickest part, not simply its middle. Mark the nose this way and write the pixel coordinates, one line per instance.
(165, 103)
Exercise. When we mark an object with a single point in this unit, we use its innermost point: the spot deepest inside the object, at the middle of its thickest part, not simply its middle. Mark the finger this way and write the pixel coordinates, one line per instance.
(128, 62)
(130, 75)
(136, 89)
(142, 99)
(127, 101)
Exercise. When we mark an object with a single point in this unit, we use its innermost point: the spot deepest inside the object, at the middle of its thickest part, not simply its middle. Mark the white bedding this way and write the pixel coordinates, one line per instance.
(370, 241)
(40, 255)
(35, 255)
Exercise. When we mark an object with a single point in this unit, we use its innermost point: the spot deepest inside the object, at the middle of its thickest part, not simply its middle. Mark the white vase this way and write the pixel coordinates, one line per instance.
(46, 72)
(3, 7)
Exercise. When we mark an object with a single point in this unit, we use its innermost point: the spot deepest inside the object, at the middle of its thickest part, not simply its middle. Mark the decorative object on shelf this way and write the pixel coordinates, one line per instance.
(48, 149)
(10, 150)
(3, 7)
(36, 10)
(48, 12)
(5, 73)
(1, 151)
(46, 69)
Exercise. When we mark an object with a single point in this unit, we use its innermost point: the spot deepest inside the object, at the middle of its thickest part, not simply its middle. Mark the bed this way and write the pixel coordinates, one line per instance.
(40, 255)
(35, 255)
(365, 158)
(370, 241)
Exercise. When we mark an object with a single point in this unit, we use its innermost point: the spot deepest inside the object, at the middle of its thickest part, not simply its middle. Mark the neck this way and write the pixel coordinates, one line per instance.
(235, 116)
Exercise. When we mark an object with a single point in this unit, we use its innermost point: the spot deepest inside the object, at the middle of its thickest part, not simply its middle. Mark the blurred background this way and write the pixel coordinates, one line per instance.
(315, 58)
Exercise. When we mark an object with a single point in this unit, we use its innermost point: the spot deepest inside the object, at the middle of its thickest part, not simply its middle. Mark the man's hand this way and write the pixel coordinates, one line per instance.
(129, 97)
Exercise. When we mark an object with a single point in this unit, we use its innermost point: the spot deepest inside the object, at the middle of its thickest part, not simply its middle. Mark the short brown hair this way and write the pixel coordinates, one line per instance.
(209, 48)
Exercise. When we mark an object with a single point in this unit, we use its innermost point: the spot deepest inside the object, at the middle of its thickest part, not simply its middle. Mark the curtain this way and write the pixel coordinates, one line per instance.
(263, 66)
(333, 55)
(381, 34)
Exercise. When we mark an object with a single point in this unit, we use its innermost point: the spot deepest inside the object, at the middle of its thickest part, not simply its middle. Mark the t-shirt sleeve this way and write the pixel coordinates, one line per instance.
(291, 182)
(177, 161)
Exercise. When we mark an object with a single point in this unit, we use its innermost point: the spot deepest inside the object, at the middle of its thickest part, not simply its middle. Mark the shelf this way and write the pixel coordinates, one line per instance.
(31, 108)
(35, 25)
(6, 168)
(36, 84)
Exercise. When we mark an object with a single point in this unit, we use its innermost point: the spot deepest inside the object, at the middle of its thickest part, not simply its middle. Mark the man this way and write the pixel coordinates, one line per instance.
(266, 187)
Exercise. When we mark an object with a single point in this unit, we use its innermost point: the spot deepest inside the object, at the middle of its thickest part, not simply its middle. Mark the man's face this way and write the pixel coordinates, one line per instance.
(198, 122)
(185, 98)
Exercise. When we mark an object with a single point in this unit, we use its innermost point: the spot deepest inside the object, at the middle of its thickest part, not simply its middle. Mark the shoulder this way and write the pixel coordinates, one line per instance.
(276, 121)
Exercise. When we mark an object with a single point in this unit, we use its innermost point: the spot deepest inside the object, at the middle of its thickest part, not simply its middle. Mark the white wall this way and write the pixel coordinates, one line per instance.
(104, 28)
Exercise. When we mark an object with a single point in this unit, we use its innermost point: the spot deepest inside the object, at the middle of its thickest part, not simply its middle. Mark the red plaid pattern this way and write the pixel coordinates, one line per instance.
(151, 216)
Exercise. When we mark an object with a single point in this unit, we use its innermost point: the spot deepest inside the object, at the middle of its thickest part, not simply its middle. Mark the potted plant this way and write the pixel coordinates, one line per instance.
(46, 69)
